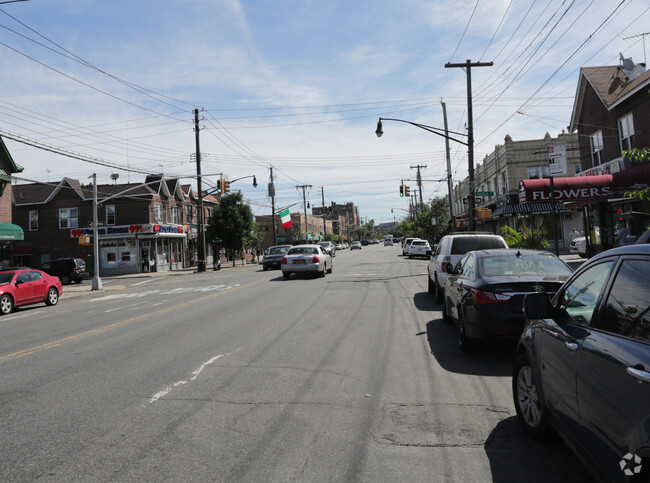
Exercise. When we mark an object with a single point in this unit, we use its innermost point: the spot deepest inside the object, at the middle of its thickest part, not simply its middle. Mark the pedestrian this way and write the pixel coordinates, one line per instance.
(574, 234)
(622, 234)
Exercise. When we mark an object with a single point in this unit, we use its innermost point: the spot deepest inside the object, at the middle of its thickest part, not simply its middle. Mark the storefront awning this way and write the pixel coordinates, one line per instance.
(535, 208)
(9, 231)
(585, 188)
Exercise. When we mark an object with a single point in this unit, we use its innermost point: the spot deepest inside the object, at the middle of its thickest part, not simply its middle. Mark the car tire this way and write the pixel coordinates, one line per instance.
(65, 279)
(410, 256)
(329, 270)
(438, 291)
(52, 296)
(464, 343)
(431, 288)
(286, 275)
(79, 281)
(265, 268)
(6, 304)
(531, 413)
(324, 272)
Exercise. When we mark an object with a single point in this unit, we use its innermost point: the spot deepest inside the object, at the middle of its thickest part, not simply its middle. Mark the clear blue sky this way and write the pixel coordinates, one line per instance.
(294, 84)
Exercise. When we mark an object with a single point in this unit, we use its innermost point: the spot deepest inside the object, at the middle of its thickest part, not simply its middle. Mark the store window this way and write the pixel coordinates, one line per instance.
(68, 218)
(110, 214)
(596, 145)
(626, 132)
(33, 220)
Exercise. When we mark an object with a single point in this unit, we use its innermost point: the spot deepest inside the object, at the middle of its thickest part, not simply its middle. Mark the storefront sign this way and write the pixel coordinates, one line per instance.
(128, 230)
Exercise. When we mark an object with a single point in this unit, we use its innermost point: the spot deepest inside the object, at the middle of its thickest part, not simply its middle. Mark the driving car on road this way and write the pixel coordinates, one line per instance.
(329, 247)
(583, 364)
(306, 259)
(273, 256)
(419, 248)
(450, 249)
(24, 287)
(484, 293)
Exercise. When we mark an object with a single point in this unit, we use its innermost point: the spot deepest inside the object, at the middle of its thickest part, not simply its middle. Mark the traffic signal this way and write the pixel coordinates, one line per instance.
(219, 186)
(407, 191)
(226, 186)
(401, 190)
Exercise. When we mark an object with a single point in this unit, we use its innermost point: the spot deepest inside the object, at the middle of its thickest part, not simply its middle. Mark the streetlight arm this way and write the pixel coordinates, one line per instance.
(432, 129)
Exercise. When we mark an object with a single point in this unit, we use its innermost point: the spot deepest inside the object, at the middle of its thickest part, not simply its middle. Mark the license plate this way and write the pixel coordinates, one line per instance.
(298, 261)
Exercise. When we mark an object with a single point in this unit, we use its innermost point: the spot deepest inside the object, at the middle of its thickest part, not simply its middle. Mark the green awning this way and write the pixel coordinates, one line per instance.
(11, 232)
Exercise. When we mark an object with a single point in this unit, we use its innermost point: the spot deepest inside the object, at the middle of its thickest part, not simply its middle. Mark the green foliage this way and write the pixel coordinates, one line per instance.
(231, 223)
(255, 237)
(526, 238)
(638, 156)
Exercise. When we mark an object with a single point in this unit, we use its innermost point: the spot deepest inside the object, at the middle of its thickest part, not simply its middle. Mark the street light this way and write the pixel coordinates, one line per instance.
(380, 131)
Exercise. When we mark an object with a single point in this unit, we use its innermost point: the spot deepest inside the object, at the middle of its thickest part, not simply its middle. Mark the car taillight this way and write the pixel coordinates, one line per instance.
(76, 270)
(315, 259)
(284, 260)
(481, 297)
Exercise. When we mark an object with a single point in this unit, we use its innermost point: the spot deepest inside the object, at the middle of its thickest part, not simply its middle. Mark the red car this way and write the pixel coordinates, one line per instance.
(24, 287)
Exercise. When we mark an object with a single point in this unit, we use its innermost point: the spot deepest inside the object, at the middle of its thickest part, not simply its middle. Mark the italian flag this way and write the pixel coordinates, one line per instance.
(285, 218)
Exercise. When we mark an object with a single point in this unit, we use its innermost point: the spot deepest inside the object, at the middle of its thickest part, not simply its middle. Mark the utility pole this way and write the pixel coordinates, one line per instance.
(201, 233)
(304, 204)
(272, 195)
(471, 201)
(420, 185)
(322, 194)
(450, 185)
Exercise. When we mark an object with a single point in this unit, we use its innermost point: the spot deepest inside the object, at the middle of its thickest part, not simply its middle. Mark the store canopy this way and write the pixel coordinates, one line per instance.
(536, 208)
(11, 232)
(585, 188)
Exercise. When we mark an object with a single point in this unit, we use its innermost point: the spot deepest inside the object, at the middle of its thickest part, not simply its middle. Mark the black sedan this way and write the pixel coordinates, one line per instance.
(484, 293)
(583, 364)
(273, 256)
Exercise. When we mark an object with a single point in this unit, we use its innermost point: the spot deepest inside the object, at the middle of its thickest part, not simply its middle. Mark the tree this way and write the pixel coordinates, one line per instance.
(255, 238)
(639, 156)
(526, 238)
(230, 224)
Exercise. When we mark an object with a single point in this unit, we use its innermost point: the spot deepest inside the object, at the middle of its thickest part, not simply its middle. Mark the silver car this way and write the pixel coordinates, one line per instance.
(273, 256)
(306, 259)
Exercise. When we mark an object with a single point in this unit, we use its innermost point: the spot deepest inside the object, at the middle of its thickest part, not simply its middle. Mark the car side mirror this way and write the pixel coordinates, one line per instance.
(537, 306)
(449, 268)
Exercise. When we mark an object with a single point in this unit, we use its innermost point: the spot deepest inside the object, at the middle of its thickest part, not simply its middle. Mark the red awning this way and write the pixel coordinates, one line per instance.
(585, 188)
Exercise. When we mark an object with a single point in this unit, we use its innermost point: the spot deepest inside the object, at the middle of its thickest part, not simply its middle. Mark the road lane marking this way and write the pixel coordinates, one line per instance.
(195, 374)
(140, 283)
(107, 328)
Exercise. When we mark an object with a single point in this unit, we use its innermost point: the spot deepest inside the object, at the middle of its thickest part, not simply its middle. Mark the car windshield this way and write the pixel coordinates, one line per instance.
(278, 250)
(421, 243)
(303, 251)
(462, 245)
(6, 277)
(523, 266)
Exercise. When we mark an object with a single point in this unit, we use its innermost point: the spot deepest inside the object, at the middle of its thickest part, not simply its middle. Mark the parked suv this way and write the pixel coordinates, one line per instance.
(67, 269)
(450, 249)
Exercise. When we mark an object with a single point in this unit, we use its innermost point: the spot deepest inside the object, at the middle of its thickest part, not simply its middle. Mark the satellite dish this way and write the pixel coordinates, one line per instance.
(114, 177)
(631, 70)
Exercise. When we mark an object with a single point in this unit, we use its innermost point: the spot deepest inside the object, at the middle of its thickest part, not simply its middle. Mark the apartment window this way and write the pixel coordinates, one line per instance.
(33, 220)
(188, 213)
(496, 186)
(626, 132)
(174, 215)
(577, 168)
(538, 172)
(68, 218)
(504, 182)
(596, 144)
(158, 212)
(110, 214)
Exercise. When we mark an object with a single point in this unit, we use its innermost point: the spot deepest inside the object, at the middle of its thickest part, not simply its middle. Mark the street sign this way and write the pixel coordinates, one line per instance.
(557, 159)
(485, 193)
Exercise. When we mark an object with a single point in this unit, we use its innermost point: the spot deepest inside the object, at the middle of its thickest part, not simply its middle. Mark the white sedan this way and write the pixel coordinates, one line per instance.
(306, 259)
(419, 248)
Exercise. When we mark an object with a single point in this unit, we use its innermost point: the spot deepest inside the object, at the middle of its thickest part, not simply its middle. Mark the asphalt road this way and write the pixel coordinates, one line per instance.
(240, 375)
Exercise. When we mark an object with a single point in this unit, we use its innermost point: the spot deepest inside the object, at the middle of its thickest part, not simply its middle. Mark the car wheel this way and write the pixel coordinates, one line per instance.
(286, 275)
(65, 279)
(431, 288)
(324, 272)
(265, 268)
(438, 291)
(464, 343)
(531, 413)
(329, 270)
(52, 296)
(6, 304)
(410, 256)
(78, 281)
